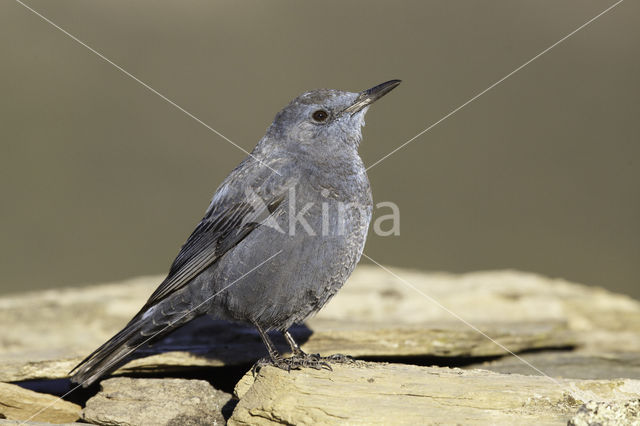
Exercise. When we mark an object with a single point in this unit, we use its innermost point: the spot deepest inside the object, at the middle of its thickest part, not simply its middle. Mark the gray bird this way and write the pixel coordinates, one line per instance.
(281, 236)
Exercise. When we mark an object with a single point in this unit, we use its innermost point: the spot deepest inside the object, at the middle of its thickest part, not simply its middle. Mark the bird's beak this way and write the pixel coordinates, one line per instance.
(369, 96)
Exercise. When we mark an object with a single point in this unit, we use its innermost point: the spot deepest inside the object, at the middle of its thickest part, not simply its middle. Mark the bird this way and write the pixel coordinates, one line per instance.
(283, 232)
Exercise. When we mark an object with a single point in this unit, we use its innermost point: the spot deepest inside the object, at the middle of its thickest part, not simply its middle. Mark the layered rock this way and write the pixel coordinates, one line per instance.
(585, 339)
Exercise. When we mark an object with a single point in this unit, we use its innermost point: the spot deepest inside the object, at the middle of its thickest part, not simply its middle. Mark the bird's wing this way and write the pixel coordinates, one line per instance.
(231, 216)
(227, 222)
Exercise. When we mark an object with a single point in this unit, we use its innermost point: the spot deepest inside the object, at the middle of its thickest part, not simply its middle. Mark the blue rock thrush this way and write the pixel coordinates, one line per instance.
(281, 236)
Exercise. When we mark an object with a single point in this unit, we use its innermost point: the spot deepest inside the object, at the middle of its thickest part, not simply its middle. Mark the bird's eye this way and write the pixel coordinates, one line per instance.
(320, 115)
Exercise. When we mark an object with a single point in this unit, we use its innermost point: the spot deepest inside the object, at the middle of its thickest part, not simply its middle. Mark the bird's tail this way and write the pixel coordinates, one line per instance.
(146, 326)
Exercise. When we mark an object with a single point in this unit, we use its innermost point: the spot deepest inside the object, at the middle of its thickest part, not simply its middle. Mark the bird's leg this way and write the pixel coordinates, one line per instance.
(274, 357)
(271, 349)
(313, 360)
(295, 349)
(294, 363)
(309, 360)
(298, 360)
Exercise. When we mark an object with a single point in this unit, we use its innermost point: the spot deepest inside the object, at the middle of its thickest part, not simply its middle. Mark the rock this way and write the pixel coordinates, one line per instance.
(570, 364)
(434, 338)
(596, 317)
(125, 401)
(51, 330)
(608, 414)
(17, 403)
(367, 393)
(19, 422)
(421, 318)
(375, 314)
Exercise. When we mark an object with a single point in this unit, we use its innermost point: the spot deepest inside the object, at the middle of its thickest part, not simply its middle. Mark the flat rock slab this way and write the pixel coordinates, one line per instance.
(21, 404)
(378, 393)
(125, 401)
(570, 364)
(375, 315)
(435, 338)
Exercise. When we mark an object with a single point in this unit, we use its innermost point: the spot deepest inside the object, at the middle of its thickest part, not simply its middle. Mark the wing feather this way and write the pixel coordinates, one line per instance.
(222, 228)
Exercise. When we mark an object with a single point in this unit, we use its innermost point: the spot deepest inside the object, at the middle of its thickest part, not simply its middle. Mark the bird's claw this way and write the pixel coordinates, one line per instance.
(314, 361)
(303, 360)
(340, 359)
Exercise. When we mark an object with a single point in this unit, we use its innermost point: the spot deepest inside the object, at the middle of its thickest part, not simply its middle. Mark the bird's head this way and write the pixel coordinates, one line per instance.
(325, 116)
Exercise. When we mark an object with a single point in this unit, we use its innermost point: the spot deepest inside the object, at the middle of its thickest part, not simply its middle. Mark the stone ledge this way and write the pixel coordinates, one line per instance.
(373, 315)
(566, 330)
(380, 393)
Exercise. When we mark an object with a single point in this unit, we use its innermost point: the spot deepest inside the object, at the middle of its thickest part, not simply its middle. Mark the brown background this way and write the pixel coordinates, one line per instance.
(101, 179)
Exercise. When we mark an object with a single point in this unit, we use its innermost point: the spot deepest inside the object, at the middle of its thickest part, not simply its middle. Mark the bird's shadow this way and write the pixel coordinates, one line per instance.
(230, 349)
(227, 342)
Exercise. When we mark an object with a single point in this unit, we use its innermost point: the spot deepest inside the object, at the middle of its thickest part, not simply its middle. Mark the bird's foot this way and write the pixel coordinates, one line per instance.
(295, 362)
(318, 362)
(314, 361)
(339, 359)
(303, 360)
(262, 362)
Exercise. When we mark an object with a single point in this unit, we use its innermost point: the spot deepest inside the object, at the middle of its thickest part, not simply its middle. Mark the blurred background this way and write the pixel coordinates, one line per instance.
(102, 179)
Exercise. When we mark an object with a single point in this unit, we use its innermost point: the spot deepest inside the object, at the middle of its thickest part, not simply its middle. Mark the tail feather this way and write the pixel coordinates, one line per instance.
(116, 351)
